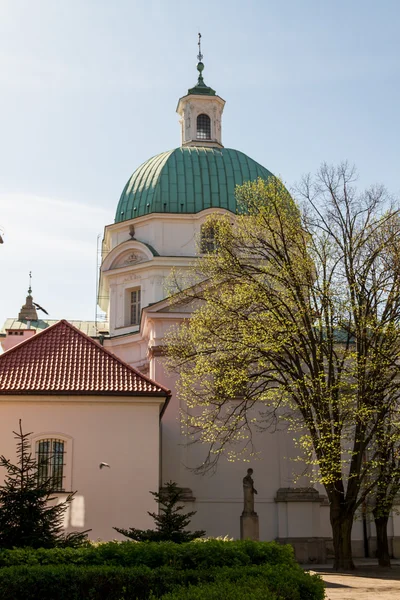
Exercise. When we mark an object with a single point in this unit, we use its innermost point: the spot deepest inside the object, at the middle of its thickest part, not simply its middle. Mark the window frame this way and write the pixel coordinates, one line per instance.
(67, 442)
(134, 306)
(201, 133)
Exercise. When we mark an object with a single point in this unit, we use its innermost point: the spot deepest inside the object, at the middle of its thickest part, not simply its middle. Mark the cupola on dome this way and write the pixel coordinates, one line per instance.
(187, 180)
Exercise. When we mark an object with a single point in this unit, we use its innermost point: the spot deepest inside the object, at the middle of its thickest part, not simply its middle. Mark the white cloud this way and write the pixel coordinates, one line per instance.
(56, 240)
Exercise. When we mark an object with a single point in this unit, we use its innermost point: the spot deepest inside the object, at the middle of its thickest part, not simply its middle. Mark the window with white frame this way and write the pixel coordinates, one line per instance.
(134, 306)
(50, 458)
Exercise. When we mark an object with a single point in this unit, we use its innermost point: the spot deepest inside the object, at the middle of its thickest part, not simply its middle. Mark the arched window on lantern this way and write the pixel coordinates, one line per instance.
(203, 127)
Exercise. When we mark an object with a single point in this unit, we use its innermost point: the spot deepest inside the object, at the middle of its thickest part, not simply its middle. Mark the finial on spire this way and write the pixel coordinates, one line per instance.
(199, 56)
(200, 66)
(30, 283)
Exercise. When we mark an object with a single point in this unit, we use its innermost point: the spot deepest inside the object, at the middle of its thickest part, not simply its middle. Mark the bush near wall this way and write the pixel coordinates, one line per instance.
(200, 554)
(228, 591)
(255, 583)
(71, 582)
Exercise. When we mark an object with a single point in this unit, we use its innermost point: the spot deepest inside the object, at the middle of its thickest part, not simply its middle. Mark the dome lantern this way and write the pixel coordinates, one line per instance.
(201, 112)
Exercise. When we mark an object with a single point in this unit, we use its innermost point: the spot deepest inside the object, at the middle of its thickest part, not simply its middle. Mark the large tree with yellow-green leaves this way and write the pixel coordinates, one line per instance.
(296, 319)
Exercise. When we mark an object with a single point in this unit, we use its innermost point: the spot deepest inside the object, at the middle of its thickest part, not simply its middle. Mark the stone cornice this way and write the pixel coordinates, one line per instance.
(305, 494)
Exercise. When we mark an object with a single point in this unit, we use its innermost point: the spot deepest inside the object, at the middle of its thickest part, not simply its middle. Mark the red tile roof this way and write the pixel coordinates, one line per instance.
(63, 360)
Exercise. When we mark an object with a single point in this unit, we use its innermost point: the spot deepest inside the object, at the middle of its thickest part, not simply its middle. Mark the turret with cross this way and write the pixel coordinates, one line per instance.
(201, 112)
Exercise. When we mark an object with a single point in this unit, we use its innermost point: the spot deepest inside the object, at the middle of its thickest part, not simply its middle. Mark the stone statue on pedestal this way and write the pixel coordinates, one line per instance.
(248, 492)
(249, 528)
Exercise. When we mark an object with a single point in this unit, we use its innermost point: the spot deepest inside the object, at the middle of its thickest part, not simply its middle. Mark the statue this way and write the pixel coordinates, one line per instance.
(248, 492)
(249, 527)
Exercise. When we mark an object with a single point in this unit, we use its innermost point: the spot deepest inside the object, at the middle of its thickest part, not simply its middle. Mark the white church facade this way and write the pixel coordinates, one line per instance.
(136, 428)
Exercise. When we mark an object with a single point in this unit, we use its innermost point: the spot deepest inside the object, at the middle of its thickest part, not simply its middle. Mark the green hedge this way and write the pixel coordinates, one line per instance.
(69, 582)
(280, 581)
(191, 555)
(253, 590)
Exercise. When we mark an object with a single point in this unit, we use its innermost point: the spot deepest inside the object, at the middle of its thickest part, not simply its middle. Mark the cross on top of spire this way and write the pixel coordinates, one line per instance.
(201, 87)
(199, 56)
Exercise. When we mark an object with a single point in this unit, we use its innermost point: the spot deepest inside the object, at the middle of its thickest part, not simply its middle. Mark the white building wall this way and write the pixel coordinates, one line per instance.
(125, 434)
(219, 495)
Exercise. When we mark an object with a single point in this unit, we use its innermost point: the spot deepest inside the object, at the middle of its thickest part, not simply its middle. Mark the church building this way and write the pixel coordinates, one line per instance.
(95, 392)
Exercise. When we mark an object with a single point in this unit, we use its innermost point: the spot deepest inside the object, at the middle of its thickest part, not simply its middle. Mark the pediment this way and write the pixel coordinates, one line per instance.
(128, 258)
(126, 254)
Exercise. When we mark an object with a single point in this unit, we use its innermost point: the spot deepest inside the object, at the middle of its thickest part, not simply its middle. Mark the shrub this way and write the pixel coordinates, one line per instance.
(254, 590)
(191, 555)
(74, 583)
(289, 583)
(68, 582)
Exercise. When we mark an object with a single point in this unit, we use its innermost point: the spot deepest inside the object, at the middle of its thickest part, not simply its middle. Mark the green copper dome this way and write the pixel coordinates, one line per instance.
(187, 180)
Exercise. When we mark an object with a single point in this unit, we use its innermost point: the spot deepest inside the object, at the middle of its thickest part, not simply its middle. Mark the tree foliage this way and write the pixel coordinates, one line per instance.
(296, 319)
(170, 523)
(28, 518)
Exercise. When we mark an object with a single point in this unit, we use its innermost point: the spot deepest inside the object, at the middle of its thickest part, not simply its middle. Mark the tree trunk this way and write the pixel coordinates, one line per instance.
(382, 544)
(342, 524)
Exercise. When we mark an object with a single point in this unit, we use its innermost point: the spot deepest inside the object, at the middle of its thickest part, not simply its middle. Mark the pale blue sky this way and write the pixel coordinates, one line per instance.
(88, 91)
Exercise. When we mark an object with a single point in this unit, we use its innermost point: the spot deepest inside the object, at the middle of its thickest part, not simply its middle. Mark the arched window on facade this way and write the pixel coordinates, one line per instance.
(203, 127)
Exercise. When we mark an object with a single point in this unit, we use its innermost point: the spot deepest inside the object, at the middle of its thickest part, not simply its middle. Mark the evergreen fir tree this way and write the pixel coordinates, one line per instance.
(27, 517)
(169, 522)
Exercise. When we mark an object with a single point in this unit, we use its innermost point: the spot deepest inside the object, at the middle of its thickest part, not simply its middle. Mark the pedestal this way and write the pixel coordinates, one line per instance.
(302, 522)
(249, 528)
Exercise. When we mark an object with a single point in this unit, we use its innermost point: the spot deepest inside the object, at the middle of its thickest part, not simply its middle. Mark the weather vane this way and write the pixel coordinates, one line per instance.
(199, 56)
(30, 282)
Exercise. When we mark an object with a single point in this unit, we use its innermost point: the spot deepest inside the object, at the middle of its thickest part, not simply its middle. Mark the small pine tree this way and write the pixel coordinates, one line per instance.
(169, 522)
(26, 516)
